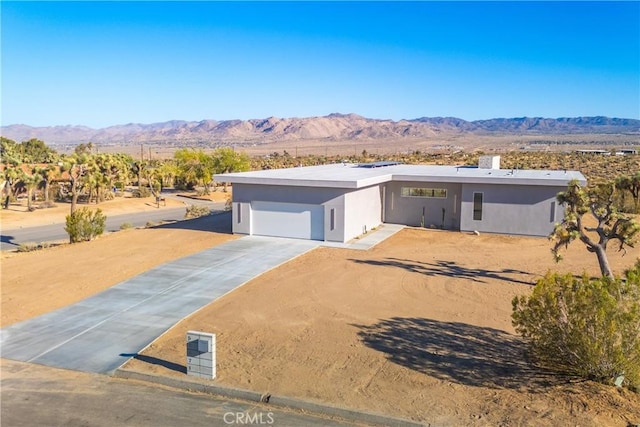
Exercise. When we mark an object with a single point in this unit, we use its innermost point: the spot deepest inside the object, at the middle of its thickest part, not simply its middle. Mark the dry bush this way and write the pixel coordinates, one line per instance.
(584, 327)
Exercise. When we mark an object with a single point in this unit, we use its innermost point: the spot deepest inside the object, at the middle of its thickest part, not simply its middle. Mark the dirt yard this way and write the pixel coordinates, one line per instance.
(36, 282)
(418, 327)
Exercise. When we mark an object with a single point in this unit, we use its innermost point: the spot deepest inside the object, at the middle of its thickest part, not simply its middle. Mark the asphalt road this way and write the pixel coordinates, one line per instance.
(12, 238)
(34, 395)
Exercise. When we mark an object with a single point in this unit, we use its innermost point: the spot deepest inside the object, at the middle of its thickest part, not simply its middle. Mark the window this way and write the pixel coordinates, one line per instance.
(333, 218)
(477, 206)
(439, 193)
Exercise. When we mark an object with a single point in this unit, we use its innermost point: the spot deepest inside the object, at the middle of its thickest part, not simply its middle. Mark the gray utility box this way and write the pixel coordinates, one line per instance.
(201, 354)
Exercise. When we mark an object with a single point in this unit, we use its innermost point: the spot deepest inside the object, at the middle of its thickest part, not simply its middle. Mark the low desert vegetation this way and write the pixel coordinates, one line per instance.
(32, 246)
(585, 327)
(85, 224)
(196, 211)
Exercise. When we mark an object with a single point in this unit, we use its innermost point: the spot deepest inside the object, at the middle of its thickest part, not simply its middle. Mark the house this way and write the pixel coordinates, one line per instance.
(601, 152)
(339, 202)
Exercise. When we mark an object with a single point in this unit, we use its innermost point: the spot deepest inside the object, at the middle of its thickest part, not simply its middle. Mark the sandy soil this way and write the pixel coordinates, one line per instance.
(417, 327)
(97, 265)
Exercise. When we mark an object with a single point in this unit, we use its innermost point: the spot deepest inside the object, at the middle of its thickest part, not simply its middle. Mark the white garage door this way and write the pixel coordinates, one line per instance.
(295, 220)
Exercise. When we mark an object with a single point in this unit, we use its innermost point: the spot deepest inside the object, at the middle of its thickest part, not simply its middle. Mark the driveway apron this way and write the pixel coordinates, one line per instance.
(102, 332)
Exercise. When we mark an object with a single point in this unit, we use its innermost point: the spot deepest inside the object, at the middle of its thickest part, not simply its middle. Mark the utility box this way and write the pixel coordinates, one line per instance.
(489, 162)
(201, 354)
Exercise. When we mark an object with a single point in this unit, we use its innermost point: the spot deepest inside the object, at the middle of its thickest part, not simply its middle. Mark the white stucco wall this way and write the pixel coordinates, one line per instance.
(507, 209)
(362, 211)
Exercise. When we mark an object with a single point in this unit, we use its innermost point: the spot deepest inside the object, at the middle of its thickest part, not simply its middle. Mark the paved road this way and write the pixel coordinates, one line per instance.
(102, 332)
(12, 238)
(33, 395)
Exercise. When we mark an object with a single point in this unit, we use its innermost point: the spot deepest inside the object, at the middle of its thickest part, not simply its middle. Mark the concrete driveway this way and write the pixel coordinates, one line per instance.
(101, 333)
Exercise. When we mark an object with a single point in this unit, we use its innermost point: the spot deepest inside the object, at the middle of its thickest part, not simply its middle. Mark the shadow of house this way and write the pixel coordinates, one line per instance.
(449, 269)
(216, 222)
(457, 352)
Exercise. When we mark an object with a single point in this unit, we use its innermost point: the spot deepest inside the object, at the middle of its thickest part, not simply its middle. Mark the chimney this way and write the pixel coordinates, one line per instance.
(489, 162)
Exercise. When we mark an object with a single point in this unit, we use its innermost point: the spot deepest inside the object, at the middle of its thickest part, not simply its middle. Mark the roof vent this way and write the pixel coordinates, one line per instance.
(378, 164)
(489, 162)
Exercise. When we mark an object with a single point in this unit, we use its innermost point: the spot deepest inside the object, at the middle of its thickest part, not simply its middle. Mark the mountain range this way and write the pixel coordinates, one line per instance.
(334, 127)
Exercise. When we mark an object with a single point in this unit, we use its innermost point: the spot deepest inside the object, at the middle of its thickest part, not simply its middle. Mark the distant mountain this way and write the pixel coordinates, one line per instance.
(337, 127)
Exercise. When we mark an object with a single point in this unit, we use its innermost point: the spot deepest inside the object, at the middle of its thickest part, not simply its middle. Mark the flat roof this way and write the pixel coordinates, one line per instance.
(348, 175)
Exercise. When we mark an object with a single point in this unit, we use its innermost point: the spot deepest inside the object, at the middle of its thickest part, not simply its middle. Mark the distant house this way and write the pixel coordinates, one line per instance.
(601, 152)
(626, 152)
(339, 202)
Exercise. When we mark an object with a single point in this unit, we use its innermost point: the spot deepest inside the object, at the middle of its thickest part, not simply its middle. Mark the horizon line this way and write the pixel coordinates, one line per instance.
(335, 114)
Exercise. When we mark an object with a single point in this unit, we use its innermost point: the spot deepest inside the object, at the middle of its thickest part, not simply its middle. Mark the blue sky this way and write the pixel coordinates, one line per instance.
(105, 63)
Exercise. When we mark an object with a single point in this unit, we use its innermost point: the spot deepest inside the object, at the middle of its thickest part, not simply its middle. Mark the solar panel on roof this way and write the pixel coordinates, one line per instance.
(378, 164)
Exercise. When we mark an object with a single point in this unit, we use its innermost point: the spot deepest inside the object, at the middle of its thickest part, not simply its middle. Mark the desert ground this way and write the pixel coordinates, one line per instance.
(440, 143)
(417, 327)
(74, 272)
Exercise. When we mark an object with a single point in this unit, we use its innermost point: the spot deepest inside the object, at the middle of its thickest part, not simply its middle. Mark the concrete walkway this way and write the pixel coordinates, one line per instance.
(369, 240)
(94, 334)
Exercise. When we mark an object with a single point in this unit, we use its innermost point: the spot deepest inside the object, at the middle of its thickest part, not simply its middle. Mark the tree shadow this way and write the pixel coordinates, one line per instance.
(8, 240)
(457, 352)
(155, 361)
(448, 269)
(218, 222)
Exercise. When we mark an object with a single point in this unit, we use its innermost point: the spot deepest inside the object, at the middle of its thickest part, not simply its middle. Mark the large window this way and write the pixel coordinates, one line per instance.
(439, 193)
(477, 206)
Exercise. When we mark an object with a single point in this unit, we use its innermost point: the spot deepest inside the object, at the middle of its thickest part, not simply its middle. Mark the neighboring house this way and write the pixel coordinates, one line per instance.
(339, 202)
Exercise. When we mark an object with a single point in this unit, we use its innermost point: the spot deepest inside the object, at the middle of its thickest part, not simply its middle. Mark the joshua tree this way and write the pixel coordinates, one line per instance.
(611, 224)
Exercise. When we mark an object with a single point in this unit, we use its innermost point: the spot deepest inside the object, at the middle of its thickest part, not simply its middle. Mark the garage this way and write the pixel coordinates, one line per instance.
(293, 220)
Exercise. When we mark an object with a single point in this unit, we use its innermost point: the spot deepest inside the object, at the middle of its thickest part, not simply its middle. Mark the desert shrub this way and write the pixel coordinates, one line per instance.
(228, 204)
(27, 247)
(31, 246)
(182, 184)
(46, 205)
(196, 211)
(141, 192)
(584, 327)
(150, 224)
(85, 224)
(126, 226)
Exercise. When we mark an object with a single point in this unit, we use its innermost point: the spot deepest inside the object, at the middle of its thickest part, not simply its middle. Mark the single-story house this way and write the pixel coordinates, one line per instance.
(339, 202)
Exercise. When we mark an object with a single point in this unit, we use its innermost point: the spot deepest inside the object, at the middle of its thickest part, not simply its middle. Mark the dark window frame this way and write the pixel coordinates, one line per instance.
(424, 192)
(478, 201)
